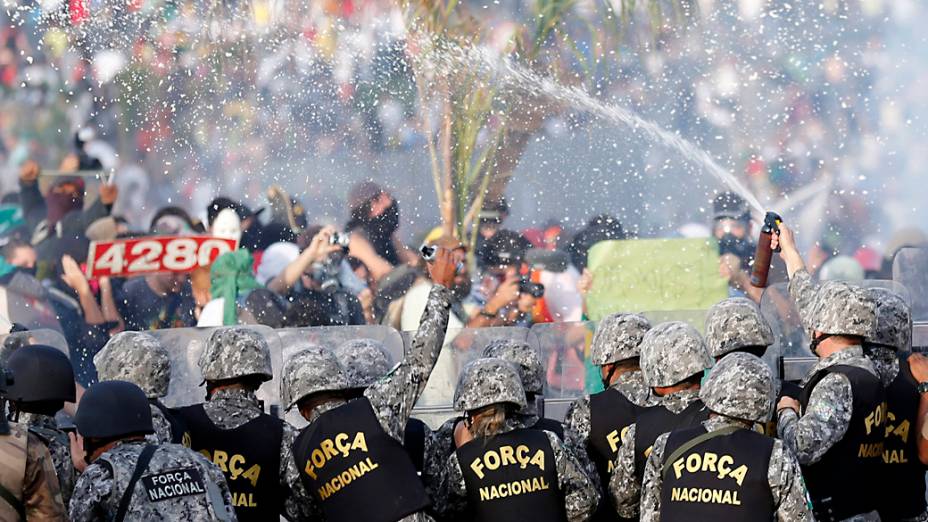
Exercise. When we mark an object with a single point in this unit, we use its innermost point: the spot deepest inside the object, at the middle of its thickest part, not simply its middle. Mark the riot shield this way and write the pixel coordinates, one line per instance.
(789, 355)
(293, 340)
(185, 346)
(461, 346)
(910, 269)
(695, 318)
(11, 341)
(24, 301)
(565, 352)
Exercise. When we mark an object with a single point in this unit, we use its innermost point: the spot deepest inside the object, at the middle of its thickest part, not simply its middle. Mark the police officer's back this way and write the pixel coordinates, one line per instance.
(502, 471)
(139, 358)
(350, 456)
(129, 479)
(836, 429)
(673, 360)
(596, 422)
(29, 487)
(903, 493)
(251, 447)
(44, 382)
(722, 469)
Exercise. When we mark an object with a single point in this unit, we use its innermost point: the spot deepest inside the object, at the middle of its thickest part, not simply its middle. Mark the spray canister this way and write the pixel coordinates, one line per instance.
(764, 253)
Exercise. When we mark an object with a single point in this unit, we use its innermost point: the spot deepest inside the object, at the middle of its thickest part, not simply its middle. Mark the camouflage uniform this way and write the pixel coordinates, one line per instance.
(670, 353)
(734, 324)
(38, 486)
(494, 381)
(59, 446)
(139, 358)
(741, 389)
(365, 361)
(394, 396)
(102, 485)
(892, 333)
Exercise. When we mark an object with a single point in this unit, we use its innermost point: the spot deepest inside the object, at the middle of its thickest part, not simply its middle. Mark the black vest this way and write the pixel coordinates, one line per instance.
(249, 457)
(657, 420)
(842, 483)
(414, 441)
(610, 413)
(178, 428)
(512, 477)
(723, 478)
(551, 425)
(356, 470)
(904, 480)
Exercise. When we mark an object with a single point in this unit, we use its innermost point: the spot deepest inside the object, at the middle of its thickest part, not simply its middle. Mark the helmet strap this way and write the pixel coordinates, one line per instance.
(607, 380)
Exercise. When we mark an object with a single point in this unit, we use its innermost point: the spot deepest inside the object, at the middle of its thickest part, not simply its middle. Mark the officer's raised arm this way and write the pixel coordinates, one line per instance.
(394, 396)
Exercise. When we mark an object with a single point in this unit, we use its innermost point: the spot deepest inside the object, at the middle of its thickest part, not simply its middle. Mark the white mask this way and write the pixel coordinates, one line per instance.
(227, 225)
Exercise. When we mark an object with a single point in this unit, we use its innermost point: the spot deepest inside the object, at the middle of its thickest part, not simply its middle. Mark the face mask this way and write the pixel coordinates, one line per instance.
(227, 225)
(388, 222)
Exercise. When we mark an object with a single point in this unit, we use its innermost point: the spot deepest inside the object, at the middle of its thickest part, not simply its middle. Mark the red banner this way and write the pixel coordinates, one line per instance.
(151, 255)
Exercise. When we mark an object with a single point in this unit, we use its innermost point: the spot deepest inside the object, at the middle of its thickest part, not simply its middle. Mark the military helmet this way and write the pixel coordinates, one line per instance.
(736, 323)
(742, 386)
(525, 359)
(365, 361)
(113, 409)
(893, 320)
(488, 381)
(672, 352)
(839, 308)
(618, 337)
(138, 358)
(234, 352)
(42, 373)
(309, 371)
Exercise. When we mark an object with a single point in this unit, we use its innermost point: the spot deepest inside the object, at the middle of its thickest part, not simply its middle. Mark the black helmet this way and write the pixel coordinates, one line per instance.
(42, 374)
(505, 248)
(729, 205)
(113, 409)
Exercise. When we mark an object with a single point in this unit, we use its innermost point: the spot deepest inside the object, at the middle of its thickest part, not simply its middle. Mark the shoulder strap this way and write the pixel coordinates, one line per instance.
(140, 467)
(696, 441)
(17, 504)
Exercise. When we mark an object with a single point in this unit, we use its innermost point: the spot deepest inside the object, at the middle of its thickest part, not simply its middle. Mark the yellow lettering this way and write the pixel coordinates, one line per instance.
(484, 495)
(359, 442)
(708, 462)
(318, 458)
(310, 470)
(724, 466)
(491, 459)
(328, 449)
(678, 467)
(477, 466)
(341, 442)
(235, 463)
(739, 473)
(692, 462)
(221, 458)
(253, 473)
(539, 460)
(613, 440)
(522, 456)
(507, 454)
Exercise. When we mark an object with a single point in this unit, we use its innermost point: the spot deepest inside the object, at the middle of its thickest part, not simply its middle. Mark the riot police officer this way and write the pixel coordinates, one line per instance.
(29, 487)
(673, 360)
(139, 358)
(365, 362)
(836, 429)
(44, 382)
(903, 496)
(736, 325)
(251, 447)
(596, 422)
(502, 471)
(722, 469)
(129, 479)
(350, 456)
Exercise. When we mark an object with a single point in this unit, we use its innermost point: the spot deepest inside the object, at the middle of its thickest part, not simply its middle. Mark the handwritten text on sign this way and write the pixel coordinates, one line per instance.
(150, 255)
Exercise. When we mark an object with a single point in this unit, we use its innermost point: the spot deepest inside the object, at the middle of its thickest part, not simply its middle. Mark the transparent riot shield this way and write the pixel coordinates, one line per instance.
(789, 355)
(293, 340)
(460, 347)
(185, 346)
(24, 301)
(695, 318)
(11, 341)
(565, 352)
(910, 269)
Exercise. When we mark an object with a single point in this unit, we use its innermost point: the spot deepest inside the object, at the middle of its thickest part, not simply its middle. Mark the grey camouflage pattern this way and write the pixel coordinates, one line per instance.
(623, 486)
(59, 447)
(839, 308)
(741, 386)
(672, 352)
(783, 475)
(524, 358)
(309, 371)
(733, 324)
(364, 360)
(138, 358)
(235, 352)
(618, 337)
(885, 362)
(488, 381)
(394, 396)
(101, 486)
(230, 408)
(163, 433)
(828, 413)
(893, 320)
(580, 497)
